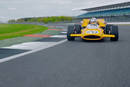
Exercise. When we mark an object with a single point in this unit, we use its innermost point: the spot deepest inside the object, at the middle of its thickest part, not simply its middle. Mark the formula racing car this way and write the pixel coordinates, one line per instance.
(93, 29)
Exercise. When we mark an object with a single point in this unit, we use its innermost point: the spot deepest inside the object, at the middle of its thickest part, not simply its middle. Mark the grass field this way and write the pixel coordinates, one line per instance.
(16, 30)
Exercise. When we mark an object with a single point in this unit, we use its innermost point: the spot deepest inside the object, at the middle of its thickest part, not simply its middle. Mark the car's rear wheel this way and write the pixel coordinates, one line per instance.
(77, 28)
(114, 31)
(69, 32)
(107, 28)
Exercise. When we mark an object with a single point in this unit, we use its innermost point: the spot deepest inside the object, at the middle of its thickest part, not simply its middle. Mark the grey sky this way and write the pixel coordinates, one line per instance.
(33, 8)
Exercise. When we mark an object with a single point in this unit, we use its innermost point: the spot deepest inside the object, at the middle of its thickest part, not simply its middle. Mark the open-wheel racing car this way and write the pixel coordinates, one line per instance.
(93, 29)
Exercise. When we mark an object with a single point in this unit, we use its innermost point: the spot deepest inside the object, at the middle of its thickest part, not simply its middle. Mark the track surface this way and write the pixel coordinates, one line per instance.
(72, 64)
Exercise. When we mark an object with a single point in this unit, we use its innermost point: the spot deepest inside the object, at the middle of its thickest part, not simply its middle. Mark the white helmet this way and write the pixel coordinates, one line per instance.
(93, 21)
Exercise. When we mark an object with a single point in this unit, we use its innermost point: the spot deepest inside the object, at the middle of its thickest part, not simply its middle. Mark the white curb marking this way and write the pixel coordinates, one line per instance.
(64, 32)
(30, 45)
(59, 36)
(29, 52)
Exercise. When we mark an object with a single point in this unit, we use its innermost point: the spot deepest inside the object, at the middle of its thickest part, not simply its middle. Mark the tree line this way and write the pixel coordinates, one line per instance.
(52, 19)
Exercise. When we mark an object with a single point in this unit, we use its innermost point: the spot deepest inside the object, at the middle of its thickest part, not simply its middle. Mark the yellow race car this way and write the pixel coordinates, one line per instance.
(89, 31)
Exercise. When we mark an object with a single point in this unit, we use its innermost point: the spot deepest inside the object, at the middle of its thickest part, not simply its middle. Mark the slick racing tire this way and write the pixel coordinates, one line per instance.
(69, 32)
(114, 31)
(77, 28)
(107, 28)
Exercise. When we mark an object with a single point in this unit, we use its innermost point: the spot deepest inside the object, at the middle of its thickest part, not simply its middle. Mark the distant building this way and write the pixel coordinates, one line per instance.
(114, 12)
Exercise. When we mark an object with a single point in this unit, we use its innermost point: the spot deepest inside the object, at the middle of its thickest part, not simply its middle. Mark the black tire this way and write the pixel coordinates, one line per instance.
(114, 31)
(69, 32)
(77, 28)
(107, 29)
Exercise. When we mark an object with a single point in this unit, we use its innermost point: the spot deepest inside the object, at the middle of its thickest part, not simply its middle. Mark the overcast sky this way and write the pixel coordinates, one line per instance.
(10, 9)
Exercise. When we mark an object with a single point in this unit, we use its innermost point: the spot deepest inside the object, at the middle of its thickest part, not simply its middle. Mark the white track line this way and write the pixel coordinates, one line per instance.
(118, 23)
(30, 52)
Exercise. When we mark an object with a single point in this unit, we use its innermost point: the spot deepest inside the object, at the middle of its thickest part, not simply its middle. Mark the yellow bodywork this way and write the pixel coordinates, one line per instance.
(99, 32)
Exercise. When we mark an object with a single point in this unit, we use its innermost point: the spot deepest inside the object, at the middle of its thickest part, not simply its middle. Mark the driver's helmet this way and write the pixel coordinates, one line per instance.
(93, 21)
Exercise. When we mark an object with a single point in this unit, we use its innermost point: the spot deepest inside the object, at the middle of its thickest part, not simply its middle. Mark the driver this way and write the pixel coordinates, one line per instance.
(93, 24)
(93, 21)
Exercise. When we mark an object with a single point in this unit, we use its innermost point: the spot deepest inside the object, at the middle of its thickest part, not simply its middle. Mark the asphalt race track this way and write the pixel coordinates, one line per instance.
(73, 64)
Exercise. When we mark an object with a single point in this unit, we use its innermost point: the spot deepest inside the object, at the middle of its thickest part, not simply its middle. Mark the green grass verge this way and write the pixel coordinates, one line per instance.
(16, 30)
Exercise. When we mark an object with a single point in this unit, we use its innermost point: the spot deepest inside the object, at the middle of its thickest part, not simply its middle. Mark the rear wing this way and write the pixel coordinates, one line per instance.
(85, 22)
(101, 22)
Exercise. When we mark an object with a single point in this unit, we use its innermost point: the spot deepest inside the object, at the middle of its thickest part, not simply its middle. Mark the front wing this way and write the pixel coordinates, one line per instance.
(101, 36)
